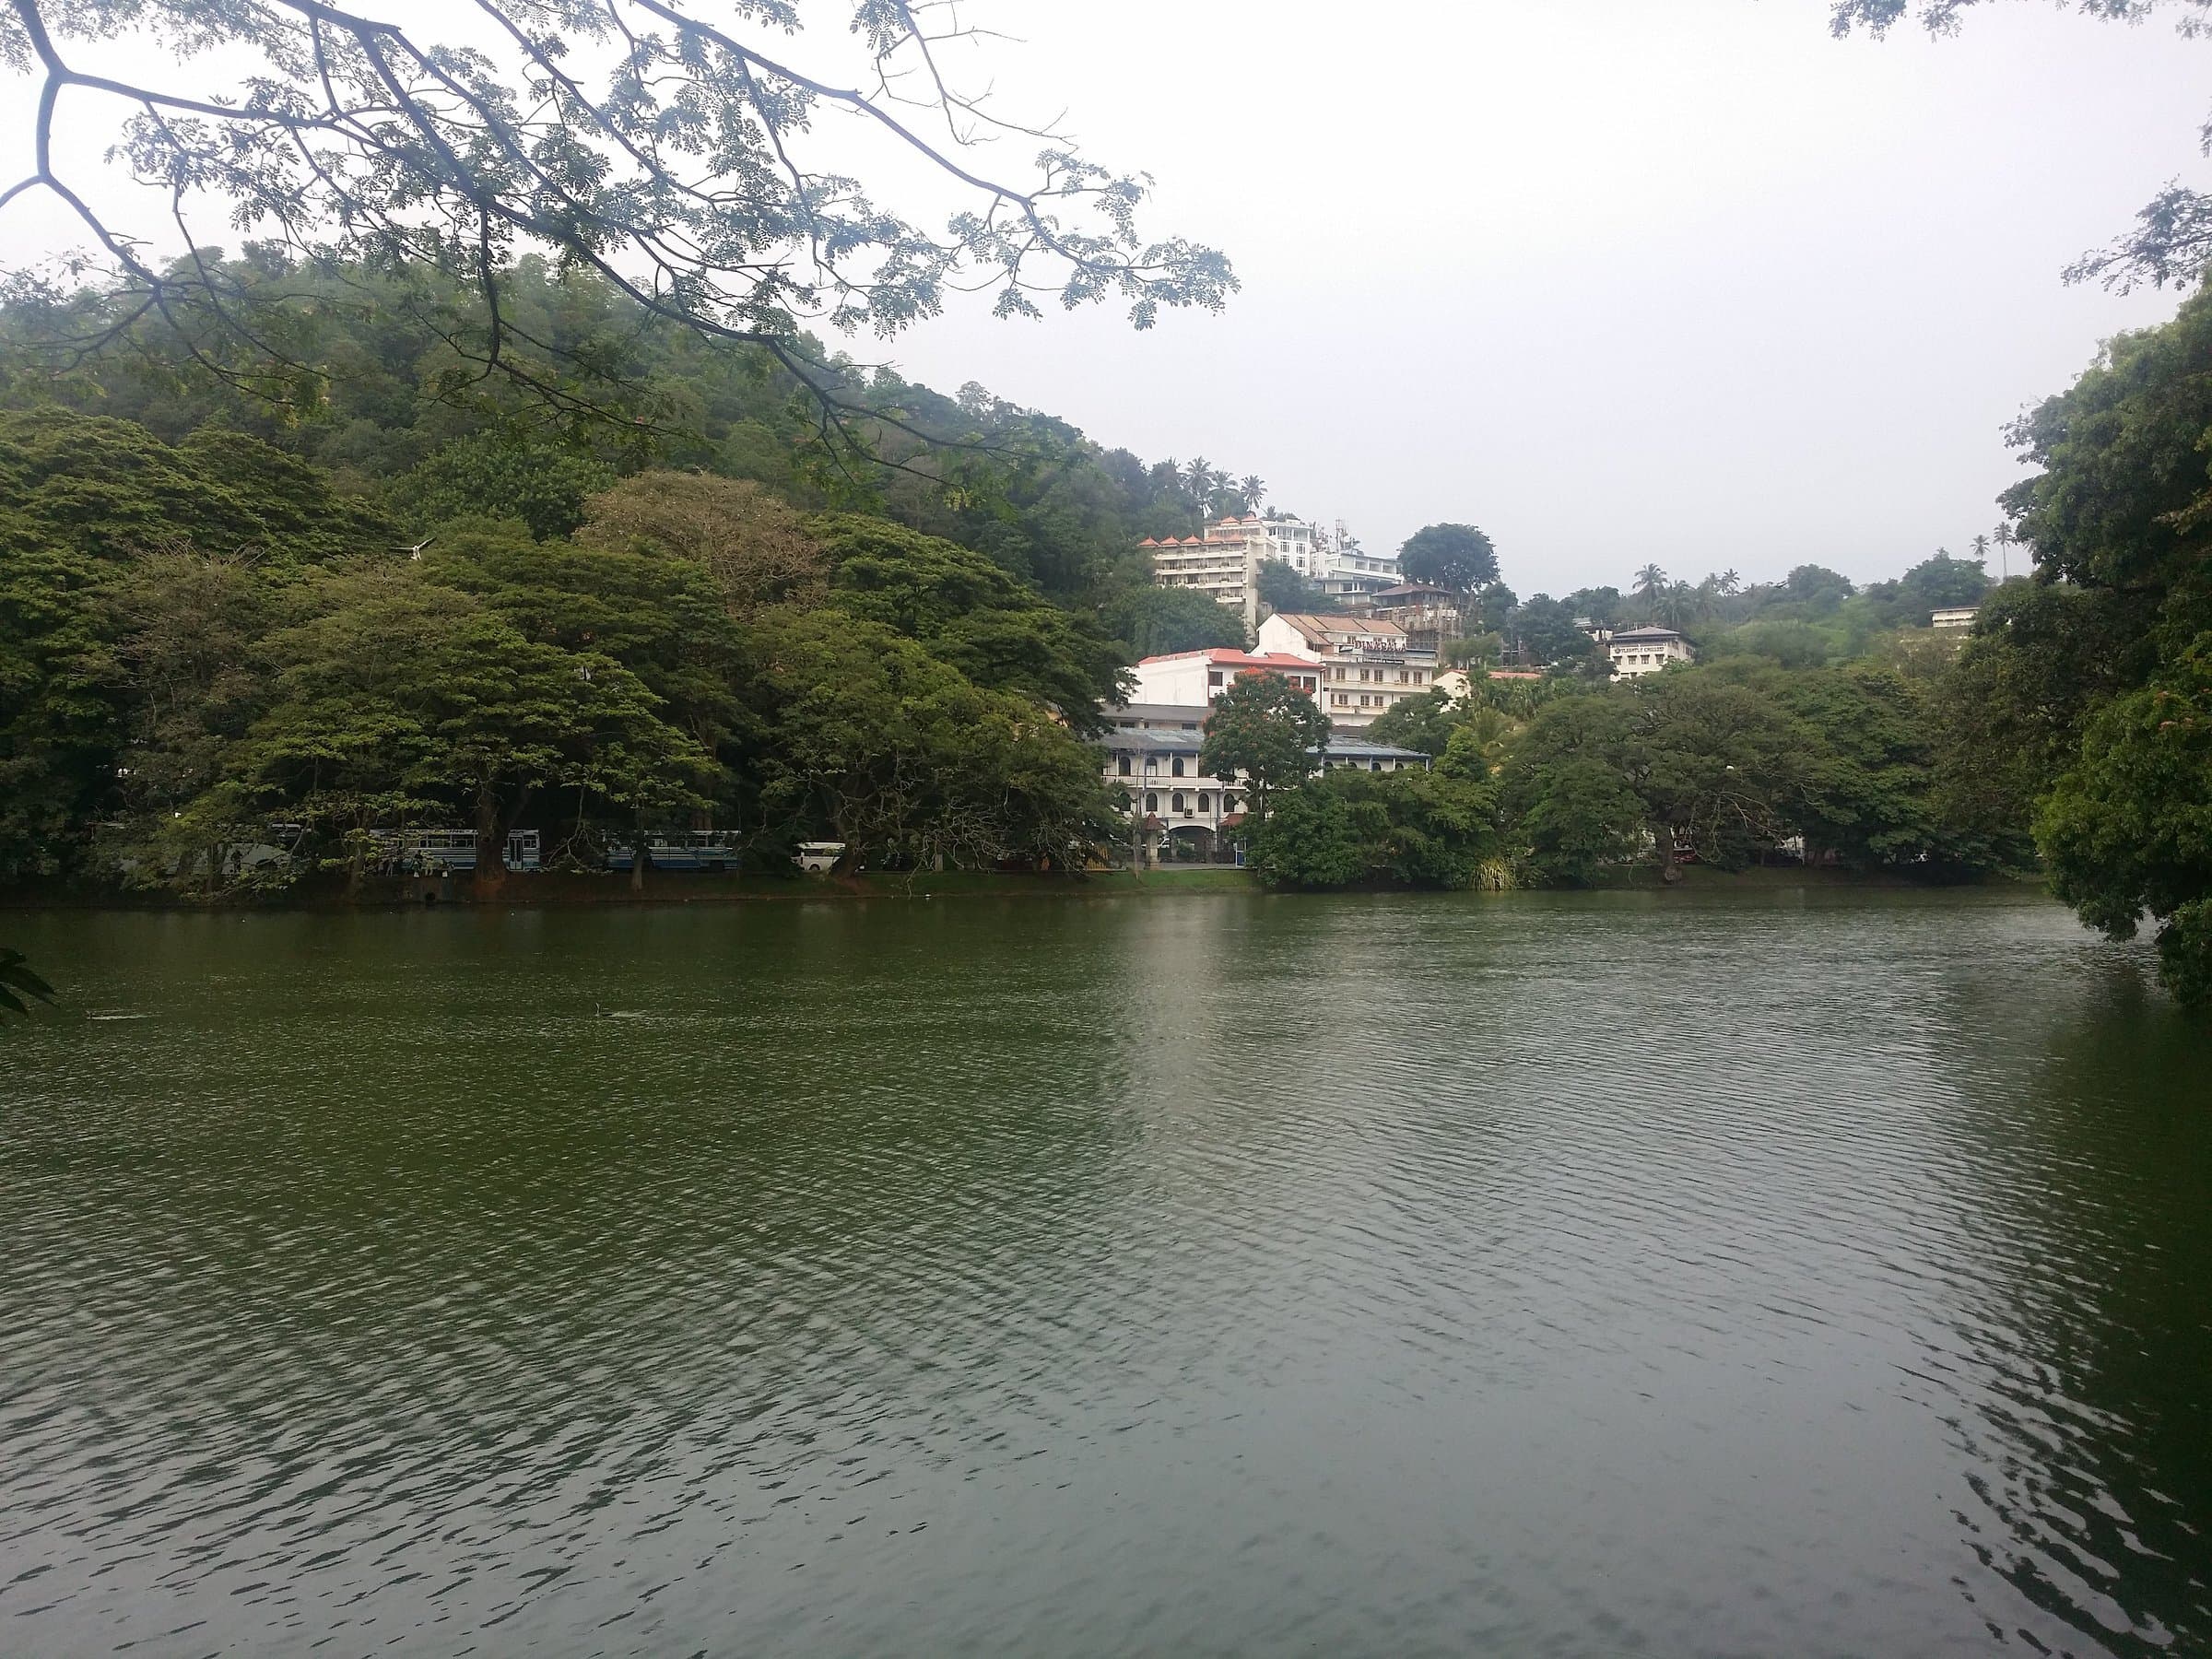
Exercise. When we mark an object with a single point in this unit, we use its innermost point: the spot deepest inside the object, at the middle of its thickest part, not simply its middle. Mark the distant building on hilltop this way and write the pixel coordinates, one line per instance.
(1955, 616)
(1637, 651)
(1224, 562)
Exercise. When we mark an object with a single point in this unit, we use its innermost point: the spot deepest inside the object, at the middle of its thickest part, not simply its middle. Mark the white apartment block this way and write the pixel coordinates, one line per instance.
(1225, 561)
(1638, 651)
(1365, 665)
(1179, 813)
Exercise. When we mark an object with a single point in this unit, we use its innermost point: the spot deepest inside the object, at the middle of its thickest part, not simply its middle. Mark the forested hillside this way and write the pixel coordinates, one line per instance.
(391, 413)
(680, 587)
(200, 640)
(655, 582)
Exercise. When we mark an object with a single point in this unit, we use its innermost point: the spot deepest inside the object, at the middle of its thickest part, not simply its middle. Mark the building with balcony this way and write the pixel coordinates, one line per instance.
(1366, 665)
(1224, 561)
(1428, 614)
(1179, 813)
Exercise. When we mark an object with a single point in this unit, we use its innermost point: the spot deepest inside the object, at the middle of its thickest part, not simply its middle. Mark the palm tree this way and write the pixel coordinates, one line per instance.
(2008, 539)
(1675, 603)
(1981, 546)
(1730, 583)
(1253, 489)
(1651, 581)
(1198, 478)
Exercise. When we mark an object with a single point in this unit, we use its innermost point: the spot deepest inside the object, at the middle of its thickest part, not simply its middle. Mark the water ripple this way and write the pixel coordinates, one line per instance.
(1595, 1275)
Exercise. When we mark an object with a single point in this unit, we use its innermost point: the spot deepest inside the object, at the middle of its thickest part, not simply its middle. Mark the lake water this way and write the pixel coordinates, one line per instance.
(1215, 1275)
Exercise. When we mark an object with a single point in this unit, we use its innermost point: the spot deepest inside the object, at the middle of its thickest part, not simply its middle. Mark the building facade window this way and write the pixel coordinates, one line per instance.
(1213, 677)
(1151, 802)
(1123, 766)
(1205, 802)
(1175, 802)
(1175, 766)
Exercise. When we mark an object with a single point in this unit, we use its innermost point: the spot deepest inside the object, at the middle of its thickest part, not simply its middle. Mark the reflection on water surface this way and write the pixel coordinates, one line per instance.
(1199, 1276)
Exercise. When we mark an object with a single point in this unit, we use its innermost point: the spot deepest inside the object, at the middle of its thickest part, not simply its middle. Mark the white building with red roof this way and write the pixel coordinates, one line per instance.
(1192, 679)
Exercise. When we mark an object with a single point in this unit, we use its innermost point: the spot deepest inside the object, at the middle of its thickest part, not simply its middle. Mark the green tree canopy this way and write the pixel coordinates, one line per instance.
(757, 548)
(82, 499)
(1458, 557)
(870, 740)
(500, 475)
(1265, 732)
(1157, 622)
(1283, 589)
(2127, 829)
(996, 628)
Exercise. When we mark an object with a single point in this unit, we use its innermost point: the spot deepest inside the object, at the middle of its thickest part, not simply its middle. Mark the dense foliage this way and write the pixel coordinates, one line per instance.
(1263, 733)
(2096, 682)
(204, 645)
(1727, 766)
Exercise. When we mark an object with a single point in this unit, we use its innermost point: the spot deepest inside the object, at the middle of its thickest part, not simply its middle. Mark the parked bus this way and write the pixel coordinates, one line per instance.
(683, 850)
(442, 851)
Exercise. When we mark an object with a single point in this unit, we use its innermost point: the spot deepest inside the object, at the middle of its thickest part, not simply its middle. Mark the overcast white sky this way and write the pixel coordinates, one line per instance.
(1619, 280)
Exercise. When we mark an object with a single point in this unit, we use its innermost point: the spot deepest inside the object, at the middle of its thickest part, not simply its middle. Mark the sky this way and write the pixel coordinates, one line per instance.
(1620, 281)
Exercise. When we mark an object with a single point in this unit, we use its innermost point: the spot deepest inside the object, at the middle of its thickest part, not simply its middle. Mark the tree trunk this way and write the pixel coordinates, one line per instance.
(1663, 840)
(639, 855)
(490, 878)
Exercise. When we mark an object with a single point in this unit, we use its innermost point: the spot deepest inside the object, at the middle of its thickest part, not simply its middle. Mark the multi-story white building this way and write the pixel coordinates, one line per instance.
(1178, 811)
(1366, 665)
(1224, 562)
(1224, 568)
(1637, 651)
